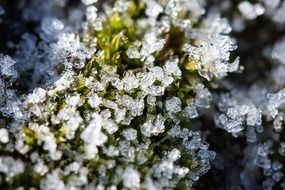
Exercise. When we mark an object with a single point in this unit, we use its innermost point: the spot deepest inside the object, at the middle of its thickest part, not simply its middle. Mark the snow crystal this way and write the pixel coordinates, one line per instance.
(153, 125)
(278, 123)
(151, 100)
(131, 178)
(254, 117)
(174, 155)
(275, 101)
(74, 100)
(130, 134)
(250, 11)
(11, 167)
(136, 106)
(88, 2)
(172, 8)
(203, 96)
(211, 55)
(38, 96)
(41, 168)
(251, 134)
(130, 81)
(278, 51)
(51, 28)
(232, 126)
(4, 135)
(133, 53)
(52, 181)
(173, 105)
(7, 66)
(277, 176)
(110, 126)
(171, 67)
(121, 6)
(91, 13)
(279, 15)
(93, 136)
(151, 44)
(153, 8)
(276, 165)
(191, 111)
(94, 100)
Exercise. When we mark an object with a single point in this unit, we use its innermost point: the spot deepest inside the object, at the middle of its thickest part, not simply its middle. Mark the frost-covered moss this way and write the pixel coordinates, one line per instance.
(122, 94)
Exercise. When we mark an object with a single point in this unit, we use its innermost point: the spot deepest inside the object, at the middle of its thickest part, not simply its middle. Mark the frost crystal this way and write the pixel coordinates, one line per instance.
(153, 126)
(275, 101)
(171, 68)
(130, 82)
(153, 8)
(88, 2)
(131, 178)
(133, 53)
(93, 137)
(94, 100)
(238, 111)
(278, 16)
(172, 8)
(10, 166)
(4, 135)
(277, 52)
(173, 105)
(51, 28)
(151, 44)
(38, 96)
(7, 66)
(191, 111)
(211, 52)
(203, 96)
(91, 13)
(130, 134)
(250, 11)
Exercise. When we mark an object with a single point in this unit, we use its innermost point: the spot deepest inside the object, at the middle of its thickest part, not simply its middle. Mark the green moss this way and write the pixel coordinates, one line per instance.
(26, 179)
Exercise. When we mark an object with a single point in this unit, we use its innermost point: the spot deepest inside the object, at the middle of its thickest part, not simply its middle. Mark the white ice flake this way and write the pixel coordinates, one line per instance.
(131, 178)
(173, 105)
(4, 135)
(130, 81)
(7, 66)
(275, 101)
(153, 8)
(94, 100)
(88, 2)
(250, 11)
(171, 67)
(93, 136)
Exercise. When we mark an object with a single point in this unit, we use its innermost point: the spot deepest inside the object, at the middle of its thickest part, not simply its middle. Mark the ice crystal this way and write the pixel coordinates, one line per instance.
(173, 105)
(94, 100)
(131, 178)
(7, 66)
(93, 137)
(250, 11)
(51, 28)
(38, 96)
(277, 52)
(275, 101)
(279, 14)
(4, 135)
(88, 2)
